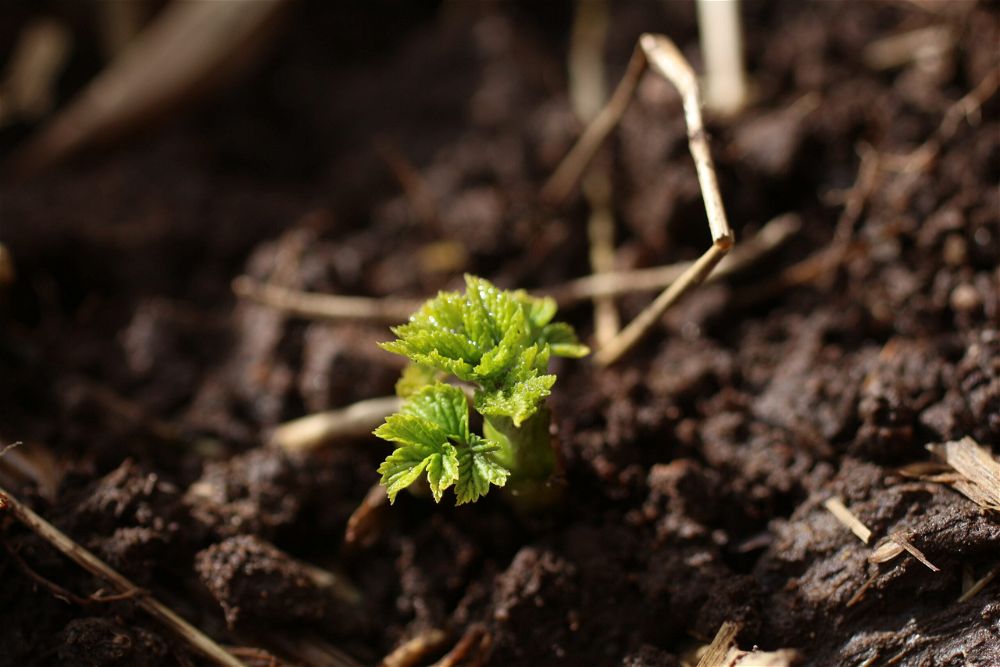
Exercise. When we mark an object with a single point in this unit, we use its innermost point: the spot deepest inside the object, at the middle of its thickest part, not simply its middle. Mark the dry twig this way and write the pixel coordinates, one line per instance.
(325, 306)
(411, 652)
(915, 552)
(88, 561)
(472, 647)
(587, 92)
(978, 586)
(660, 54)
(846, 517)
(354, 421)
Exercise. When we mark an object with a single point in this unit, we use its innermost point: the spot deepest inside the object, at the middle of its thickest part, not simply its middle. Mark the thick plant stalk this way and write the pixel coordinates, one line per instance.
(528, 452)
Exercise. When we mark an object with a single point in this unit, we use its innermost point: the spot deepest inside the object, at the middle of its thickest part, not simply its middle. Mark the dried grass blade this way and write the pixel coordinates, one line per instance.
(846, 517)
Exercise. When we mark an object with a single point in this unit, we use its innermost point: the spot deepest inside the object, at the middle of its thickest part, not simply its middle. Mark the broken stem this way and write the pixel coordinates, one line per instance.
(324, 306)
(88, 561)
(722, 50)
(354, 421)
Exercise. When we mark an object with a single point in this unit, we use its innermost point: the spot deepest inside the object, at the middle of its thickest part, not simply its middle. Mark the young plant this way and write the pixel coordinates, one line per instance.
(497, 344)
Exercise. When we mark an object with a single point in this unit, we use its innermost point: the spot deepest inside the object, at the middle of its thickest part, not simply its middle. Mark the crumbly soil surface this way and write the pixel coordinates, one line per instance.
(696, 468)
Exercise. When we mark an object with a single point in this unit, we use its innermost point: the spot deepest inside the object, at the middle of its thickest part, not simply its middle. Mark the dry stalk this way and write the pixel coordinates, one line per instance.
(28, 87)
(587, 93)
(978, 586)
(470, 649)
(188, 47)
(355, 421)
(771, 236)
(411, 652)
(920, 45)
(722, 49)
(314, 305)
(846, 517)
(88, 561)
(662, 56)
(914, 551)
(325, 306)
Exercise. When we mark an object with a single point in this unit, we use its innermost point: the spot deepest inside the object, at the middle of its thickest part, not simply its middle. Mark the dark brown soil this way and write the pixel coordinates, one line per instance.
(696, 468)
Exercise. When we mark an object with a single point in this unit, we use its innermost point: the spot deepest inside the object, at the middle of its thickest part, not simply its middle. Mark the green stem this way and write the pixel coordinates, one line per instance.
(528, 452)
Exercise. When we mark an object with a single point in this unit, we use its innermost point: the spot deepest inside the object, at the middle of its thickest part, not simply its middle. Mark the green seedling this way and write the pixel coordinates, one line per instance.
(495, 345)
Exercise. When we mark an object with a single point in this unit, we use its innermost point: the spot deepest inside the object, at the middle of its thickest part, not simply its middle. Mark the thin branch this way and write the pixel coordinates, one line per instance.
(665, 58)
(325, 306)
(979, 585)
(354, 421)
(412, 652)
(572, 166)
(587, 92)
(772, 235)
(88, 561)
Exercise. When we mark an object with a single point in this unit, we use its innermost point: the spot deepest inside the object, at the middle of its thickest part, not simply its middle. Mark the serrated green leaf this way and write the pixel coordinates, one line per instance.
(411, 430)
(402, 468)
(563, 341)
(428, 427)
(517, 401)
(414, 378)
(541, 310)
(444, 406)
(442, 471)
(477, 469)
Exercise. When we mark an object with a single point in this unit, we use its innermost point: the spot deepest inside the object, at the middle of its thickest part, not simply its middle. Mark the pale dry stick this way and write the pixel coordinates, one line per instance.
(920, 45)
(664, 57)
(325, 306)
(28, 88)
(314, 305)
(88, 561)
(979, 585)
(188, 48)
(411, 652)
(899, 539)
(722, 49)
(718, 650)
(772, 235)
(356, 420)
(846, 517)
(475, 639)
(587, 94)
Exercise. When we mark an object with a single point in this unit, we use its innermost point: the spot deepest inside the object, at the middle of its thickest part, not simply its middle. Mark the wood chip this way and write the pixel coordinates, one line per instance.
(785, 657)
(718, 651)
(977, 465)
(846, 517)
